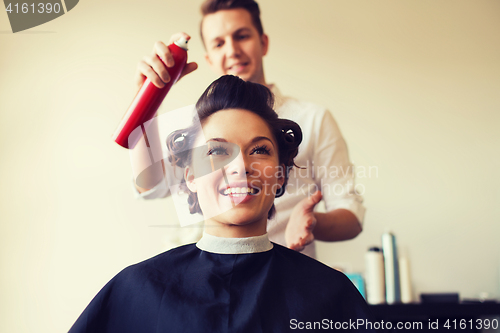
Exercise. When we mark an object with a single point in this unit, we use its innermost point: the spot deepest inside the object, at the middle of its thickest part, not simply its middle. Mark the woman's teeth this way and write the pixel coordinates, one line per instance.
(239, 191)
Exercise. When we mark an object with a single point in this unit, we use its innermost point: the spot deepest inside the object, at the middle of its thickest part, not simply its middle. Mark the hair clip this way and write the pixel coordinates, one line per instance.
(288, 135)
(180, 138)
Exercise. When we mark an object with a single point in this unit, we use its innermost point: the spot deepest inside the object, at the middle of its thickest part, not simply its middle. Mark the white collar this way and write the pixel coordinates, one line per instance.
(223, 245)
(279, 99)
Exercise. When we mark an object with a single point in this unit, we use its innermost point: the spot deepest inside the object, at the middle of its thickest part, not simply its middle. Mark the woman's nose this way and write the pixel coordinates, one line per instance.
(237, 166)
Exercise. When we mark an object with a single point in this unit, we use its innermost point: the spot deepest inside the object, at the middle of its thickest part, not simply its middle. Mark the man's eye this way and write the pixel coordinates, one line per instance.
(243, 36)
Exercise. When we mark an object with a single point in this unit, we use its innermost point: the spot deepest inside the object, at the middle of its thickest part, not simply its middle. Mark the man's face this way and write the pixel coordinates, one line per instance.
(233, 44)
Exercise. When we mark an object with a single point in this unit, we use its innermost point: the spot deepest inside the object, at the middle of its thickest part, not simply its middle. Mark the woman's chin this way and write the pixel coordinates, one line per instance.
(239, 217)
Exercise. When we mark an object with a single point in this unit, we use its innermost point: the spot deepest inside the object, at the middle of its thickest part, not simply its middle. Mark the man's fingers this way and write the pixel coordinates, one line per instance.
(307, 240)
(158, 67)
(309, 203)
(139, 78)
(163, 52)
(302, 243)
(316, 197)
(190, 67)
(145, 70)
(310, 223)
(296, 247)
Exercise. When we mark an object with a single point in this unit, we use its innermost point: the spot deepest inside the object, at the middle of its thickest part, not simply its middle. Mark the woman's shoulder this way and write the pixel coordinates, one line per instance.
(310, 279)
(159, 265)
(302, 264)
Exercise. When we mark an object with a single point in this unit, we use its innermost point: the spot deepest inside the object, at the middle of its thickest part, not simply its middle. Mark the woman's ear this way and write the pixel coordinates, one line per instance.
(190, 180)
(281, 178)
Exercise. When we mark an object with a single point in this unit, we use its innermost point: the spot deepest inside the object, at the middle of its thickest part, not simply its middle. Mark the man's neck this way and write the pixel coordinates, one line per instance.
(260, 80)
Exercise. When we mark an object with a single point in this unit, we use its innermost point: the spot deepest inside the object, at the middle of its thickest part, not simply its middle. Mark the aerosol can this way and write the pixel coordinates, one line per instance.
(148, 100)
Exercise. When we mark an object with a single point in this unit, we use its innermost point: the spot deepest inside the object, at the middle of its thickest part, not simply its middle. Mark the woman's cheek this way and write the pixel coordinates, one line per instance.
(255, 169)
(208, 184)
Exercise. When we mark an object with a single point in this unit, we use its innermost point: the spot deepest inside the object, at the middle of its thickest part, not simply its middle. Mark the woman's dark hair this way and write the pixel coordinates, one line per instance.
(231, 92)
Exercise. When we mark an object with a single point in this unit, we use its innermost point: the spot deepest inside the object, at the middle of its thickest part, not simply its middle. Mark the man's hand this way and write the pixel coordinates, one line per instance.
(154, 69)
(299, 230)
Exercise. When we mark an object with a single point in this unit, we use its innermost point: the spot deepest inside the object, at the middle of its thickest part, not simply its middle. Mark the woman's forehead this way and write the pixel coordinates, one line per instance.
(235, 125)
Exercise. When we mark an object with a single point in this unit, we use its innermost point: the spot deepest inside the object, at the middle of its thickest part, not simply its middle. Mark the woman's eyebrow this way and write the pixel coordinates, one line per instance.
(217, 139)
(258, 138)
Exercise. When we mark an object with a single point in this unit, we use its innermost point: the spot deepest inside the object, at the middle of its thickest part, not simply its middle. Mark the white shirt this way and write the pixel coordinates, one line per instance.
(323, 152)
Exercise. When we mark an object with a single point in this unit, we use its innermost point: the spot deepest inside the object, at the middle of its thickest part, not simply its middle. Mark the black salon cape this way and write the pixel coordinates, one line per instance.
(190, 290)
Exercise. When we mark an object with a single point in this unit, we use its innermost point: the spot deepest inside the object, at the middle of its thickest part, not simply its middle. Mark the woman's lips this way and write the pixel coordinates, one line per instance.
(240, 194)
(240, 191)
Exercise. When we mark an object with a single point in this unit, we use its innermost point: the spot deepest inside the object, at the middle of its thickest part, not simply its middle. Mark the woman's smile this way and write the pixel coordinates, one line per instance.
(240, 193)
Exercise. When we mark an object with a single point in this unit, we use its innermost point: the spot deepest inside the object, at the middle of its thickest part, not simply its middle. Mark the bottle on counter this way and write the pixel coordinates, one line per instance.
(391, 265)
(374, 276)
(405, 280)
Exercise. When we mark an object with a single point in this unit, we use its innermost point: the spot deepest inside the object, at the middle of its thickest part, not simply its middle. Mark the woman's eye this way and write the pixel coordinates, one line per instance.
(261, 150)
(217, 151)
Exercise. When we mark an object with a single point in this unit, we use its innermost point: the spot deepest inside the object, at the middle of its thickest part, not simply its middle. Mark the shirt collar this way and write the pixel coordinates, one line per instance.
(223, 245)
(278, 97)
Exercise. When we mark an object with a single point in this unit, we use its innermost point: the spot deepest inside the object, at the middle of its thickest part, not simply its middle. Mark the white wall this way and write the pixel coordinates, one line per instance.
(414, 86)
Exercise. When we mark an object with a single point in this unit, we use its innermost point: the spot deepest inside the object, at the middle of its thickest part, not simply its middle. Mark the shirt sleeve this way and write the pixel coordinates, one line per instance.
(161, 190)
(334, 173)
(167, 123)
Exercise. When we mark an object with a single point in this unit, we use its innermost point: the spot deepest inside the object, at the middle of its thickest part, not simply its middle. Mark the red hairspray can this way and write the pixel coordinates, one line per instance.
(148, 100)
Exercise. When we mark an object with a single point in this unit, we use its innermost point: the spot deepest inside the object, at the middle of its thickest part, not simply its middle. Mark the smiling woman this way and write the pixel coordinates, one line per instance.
(228, 175)
(234, 279)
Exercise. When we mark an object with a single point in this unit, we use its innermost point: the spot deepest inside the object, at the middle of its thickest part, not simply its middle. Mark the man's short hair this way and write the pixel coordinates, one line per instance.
(213, 6)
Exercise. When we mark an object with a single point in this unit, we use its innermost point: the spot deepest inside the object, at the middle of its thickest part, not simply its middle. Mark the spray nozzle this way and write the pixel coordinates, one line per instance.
(182, 43)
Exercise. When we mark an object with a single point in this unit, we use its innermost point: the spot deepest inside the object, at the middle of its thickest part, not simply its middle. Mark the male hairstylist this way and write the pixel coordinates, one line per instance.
(235, 44)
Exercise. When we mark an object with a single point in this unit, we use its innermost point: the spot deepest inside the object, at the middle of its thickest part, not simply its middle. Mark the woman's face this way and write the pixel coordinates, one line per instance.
(237, 174)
